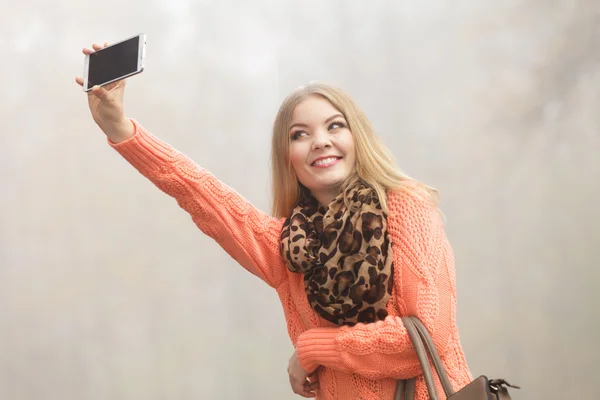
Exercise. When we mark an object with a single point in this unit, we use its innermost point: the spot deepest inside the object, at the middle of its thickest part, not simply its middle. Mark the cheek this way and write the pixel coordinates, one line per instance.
(349, 148)
(297, 158)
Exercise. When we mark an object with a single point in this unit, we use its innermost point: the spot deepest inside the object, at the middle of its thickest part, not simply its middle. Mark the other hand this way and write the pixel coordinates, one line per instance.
(302, 382)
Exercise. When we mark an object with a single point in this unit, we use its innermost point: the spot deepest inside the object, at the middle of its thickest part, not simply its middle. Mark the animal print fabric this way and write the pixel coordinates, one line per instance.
(344, 253)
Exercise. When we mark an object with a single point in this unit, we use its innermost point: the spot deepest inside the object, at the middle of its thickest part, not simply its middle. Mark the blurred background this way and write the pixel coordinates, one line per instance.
(109, 291)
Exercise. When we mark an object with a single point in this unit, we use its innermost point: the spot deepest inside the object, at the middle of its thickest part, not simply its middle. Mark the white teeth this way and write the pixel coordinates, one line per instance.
(325, 161)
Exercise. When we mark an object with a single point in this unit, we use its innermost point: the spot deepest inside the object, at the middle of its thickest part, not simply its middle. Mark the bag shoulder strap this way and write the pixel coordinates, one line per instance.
(422, 357)
(435, 357)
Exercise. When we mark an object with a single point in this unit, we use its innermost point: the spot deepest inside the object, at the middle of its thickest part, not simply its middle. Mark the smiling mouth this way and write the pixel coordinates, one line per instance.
(325, 162)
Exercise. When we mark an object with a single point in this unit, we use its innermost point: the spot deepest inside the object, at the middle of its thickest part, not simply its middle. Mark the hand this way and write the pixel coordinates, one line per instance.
(302, 382)
(106, 106)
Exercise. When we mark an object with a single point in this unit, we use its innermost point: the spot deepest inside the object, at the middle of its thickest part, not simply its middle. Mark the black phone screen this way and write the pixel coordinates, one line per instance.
(113, 62)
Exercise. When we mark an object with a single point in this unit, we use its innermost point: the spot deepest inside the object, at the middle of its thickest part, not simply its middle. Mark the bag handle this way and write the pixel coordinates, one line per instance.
(420, 338)
(424, 346)
(415, 338)
(435, 357)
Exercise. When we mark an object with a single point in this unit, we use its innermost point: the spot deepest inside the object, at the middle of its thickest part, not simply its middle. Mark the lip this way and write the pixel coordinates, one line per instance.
(338, 158)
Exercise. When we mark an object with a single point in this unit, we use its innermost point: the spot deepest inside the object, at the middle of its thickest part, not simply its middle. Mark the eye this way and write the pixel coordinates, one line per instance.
(336, 125)
(297, 134)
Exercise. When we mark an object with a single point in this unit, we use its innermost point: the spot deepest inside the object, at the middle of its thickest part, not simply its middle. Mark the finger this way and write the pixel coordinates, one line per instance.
(305, 393)
(308, 390)
(301, 388)
(79, 80)
(96, 46)
(115, 85)
(100, 92)
(311, 385)
(87, 51)
(106, 44)
(308, 394)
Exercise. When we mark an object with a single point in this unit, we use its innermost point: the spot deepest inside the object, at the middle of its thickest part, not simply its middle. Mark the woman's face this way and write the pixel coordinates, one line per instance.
(322, 149)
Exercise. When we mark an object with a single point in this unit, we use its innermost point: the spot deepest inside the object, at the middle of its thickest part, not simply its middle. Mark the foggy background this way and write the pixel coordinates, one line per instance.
(109, 291)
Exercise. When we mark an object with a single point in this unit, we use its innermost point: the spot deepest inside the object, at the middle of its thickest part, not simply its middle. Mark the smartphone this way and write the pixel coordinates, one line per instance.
(117, 61)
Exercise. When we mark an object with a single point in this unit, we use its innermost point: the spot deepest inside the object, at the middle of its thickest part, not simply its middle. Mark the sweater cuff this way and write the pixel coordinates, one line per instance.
(318, 347)
(142, 150)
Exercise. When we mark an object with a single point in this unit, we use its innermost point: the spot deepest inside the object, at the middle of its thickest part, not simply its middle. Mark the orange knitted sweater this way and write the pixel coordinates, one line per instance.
(359, 362)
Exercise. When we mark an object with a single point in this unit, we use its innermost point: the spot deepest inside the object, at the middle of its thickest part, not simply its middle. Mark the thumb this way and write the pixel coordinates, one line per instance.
(101, 93)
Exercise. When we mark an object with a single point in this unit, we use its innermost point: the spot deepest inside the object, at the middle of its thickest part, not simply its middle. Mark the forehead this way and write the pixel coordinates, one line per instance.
(314, 108)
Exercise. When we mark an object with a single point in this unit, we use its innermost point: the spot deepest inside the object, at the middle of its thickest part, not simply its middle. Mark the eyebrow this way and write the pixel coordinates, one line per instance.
(326, 121)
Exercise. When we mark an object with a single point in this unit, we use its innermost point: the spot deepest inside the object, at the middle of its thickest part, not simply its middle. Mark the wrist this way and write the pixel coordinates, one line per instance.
(318, 346)
(121, 131)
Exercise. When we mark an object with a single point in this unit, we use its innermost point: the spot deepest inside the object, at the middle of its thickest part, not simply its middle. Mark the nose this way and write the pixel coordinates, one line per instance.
(321, 140)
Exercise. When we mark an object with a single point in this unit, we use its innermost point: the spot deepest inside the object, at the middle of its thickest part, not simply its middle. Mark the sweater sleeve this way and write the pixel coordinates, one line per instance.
(424, 286)
(248, 235)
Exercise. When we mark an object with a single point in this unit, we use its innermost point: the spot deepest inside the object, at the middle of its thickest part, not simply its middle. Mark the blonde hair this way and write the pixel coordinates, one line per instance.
(374, 164)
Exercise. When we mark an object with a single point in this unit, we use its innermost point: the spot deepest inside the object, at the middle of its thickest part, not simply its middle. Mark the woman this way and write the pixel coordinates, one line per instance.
(353, 246)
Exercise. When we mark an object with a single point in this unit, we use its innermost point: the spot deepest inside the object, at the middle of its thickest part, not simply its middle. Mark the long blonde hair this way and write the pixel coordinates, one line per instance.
(374, 164)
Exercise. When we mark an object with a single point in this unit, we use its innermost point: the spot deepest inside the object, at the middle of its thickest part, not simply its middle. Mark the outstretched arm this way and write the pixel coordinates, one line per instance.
(250, 236)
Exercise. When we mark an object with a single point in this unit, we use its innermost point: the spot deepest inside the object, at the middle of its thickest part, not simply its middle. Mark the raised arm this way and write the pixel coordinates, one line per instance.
(250, 236)
(424, 286)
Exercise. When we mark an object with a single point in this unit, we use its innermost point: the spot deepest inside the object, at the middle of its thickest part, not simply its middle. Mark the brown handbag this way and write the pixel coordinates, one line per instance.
(481, 388)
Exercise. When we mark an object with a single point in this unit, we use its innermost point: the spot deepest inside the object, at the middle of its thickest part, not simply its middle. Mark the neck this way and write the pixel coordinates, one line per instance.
(325, 197)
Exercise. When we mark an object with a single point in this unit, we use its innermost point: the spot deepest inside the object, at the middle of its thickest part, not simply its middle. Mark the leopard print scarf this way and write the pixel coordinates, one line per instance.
(344, 254)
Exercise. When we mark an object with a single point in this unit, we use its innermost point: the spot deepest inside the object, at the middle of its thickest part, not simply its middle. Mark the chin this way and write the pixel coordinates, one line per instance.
(320, 183)
(330, 184)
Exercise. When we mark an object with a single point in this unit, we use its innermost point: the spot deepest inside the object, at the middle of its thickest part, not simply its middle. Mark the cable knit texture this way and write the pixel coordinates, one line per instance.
(359, 362)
